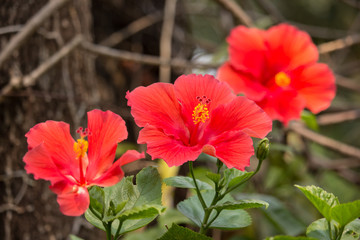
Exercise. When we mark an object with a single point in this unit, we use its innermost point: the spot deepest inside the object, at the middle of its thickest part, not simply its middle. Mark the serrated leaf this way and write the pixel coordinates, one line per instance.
(346, 212)
(180, 233)
(185, 182)
(240, 204)
(290, 238)
(97, 199)
(144, 211)
(227, 219)
(322, 200)
(234, 176)
(213, 176)
(319, 230)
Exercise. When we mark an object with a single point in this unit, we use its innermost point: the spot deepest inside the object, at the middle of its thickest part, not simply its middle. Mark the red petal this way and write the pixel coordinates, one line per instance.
(56, 139)
(316, 84)
(289, 47)
(157, 105)
(74, 203)
(284, 105)
(130, 156)
(160, 145)
(114, 174)
(63, 186)
(39, 163)
(247, 50)
(241, 83)
(233, 148)
(106, 130)
(240, 114)
(188, 87)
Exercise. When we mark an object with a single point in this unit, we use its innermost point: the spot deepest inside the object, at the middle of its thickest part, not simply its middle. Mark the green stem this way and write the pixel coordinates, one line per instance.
(340, 233)
(203, 204)
(330, 232)
(95, 213)
(117, 235)
(108, 230)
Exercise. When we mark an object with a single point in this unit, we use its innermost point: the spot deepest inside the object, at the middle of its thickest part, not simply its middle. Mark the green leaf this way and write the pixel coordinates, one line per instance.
(97, 199)
(73, 237)
(234, 176)
(213, 176)
(91, 218)
(290, 238)
(352, 231)
(227, 219)
(180, 233)
(241, 204)
(148, 181)
(319, 230)
(144, 211)
(278, 214)
(322, 200)
(346, 212)
(310, 120)
(185, 182)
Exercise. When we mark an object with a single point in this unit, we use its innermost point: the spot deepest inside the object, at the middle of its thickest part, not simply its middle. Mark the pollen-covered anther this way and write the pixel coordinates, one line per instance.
(200, 113)
(81, 145)
(282, 79)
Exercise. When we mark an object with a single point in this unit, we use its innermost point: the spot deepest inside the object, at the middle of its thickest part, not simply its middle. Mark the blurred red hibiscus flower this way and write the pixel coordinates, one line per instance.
(72, 166)
(278, 69)
(197, 114)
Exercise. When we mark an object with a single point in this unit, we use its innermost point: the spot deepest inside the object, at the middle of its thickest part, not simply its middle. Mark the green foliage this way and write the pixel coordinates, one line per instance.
(241, 204)
(215, 177)
(125, 206)
(73, 237)
(289, 238)
(310, 120)
(234, 176)
(319, 230)
(179, 233)
(322, 200)
(346, 212)
(227, 219)
(185, 182)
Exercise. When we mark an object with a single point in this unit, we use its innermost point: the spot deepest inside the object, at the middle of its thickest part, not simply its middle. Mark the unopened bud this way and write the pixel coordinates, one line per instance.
(263, 149)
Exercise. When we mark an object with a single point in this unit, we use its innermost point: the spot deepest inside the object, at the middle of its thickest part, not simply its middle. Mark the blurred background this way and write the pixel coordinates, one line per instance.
(61, 58)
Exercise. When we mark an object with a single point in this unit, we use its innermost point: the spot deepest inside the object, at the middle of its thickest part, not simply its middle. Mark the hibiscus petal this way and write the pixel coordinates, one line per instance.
(74, 203)
(240, 114)
(106, 130)
(56, 139)
(114, 174)
(284, 105)
(233, 148)
(316, 84)
(188, 87)
(157, 105)
(39, 163)
(241, 82)
(289, 47)
(171, 150)
(247, 50)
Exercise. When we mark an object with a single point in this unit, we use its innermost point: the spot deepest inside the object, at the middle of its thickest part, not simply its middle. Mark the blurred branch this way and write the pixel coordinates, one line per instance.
(325, 141)
(166, 38)
(332, 118)
(347, 83)
(237, 11)
(353, 3)
(141, 58)
(31, 78)
(131, 29)
(339, 43)
(10, 29)
(30, 27)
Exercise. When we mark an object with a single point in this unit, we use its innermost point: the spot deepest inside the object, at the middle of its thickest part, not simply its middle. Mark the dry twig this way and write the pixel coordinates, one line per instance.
(339, 43)
(237, 11)
(30, 27)
(332, 118)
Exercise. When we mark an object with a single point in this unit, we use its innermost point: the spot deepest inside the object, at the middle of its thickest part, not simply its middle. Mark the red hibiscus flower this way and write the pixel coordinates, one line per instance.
(197, 114)
(72, 166)
(278, 69)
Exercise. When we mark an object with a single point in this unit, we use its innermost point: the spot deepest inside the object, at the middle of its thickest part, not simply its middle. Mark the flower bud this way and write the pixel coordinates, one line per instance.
(262, 150)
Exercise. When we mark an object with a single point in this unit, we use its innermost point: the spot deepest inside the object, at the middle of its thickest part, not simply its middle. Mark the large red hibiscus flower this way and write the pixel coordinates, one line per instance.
(197, 114)
(278, 69)
(72, 166)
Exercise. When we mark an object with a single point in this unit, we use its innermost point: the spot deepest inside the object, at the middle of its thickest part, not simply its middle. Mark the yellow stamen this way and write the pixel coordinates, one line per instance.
(200, 113)
(80, 147)
(282, 79)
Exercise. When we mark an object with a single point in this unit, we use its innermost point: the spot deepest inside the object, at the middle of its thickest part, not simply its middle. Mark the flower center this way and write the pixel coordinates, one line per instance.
(81, 145)
(282, 79)
(201, 111)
